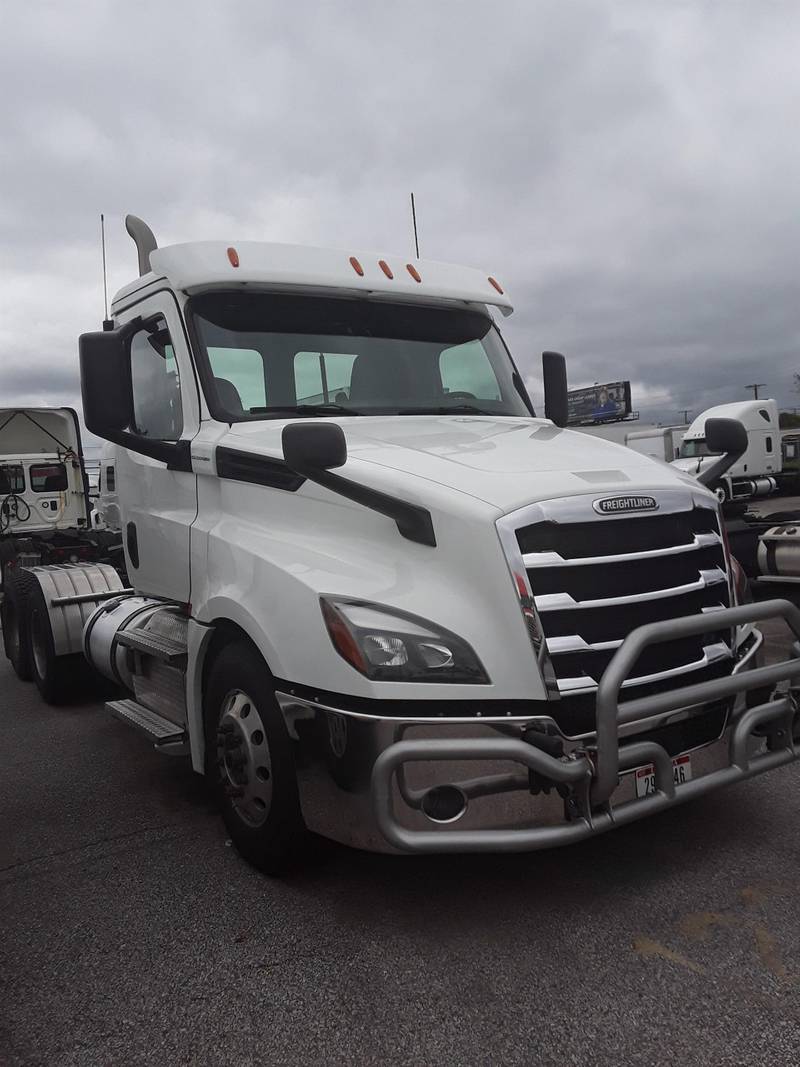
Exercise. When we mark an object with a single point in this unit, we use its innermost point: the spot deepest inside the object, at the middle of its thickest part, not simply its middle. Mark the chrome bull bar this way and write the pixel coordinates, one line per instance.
(593, 775)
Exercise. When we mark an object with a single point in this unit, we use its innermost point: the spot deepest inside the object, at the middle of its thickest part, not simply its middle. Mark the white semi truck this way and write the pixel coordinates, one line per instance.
(755, 472)
(372, 594)
(45, 516)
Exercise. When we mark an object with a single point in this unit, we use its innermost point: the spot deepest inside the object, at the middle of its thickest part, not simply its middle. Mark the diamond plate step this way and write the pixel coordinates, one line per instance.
(163, 648)
(160, 730)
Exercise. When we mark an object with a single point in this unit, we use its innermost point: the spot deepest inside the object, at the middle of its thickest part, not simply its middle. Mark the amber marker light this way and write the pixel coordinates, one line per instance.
(233, 256)
(356, 266)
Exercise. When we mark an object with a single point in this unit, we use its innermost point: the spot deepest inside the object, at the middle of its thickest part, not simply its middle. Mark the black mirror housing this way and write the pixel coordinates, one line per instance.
(106, 380)
(724, 436)
(313, 446)
(554, 378)
(728, 438)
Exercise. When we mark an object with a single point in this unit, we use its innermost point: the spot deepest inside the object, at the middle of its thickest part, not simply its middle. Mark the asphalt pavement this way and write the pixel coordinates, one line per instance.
(132, 933)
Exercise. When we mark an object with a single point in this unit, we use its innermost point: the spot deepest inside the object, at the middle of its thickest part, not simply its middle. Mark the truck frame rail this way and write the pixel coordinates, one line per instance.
(592, 774)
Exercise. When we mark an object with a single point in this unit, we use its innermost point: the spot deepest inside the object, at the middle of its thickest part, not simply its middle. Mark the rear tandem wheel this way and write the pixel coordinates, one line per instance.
(17, 586)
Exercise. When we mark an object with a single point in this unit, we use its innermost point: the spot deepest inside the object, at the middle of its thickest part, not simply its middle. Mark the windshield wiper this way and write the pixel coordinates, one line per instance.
(449, 409)
(306, 409)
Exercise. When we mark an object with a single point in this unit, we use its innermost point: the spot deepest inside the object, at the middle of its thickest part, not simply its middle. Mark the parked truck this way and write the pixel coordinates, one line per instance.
(44, 519)
(372, 594)
(658, 442)
(755, 472)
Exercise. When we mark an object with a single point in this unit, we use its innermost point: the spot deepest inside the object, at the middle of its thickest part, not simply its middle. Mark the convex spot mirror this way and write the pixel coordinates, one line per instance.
(726, 436)
(313, 446)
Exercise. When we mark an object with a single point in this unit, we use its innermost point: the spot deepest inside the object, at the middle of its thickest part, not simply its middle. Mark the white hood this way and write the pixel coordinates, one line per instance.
(506, 462)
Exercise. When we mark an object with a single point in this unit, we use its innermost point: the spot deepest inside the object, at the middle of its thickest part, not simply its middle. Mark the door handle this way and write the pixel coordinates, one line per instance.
(132, 541)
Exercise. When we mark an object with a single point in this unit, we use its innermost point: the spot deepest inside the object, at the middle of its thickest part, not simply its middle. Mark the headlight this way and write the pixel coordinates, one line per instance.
(391, 646)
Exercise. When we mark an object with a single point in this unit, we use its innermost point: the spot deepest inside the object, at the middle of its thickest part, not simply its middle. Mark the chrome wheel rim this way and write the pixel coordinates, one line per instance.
(243, 758)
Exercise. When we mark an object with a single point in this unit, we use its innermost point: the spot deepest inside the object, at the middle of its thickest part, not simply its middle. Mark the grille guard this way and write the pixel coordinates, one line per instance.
(593, 774)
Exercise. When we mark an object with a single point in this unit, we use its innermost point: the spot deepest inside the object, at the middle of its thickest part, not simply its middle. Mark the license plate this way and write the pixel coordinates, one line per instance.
(646, 776)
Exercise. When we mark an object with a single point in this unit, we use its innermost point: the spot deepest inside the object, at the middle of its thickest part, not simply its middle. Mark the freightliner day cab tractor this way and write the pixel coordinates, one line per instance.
(372, 594)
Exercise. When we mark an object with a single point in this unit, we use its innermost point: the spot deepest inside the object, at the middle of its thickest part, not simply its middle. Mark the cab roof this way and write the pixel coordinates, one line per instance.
(203, 265)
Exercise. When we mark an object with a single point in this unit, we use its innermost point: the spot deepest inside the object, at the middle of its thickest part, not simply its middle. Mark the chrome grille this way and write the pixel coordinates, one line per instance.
(594, 578)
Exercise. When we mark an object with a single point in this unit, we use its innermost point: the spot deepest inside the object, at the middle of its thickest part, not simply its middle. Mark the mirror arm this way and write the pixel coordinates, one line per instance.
(176, 454)
(713, 473)
(413, 522)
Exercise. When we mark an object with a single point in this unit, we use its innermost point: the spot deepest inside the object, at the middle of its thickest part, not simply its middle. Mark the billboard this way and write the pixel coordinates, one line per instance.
(610, 402)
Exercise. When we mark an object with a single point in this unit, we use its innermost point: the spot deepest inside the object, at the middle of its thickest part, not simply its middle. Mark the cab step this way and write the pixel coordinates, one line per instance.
(162, 732)
(157, 645)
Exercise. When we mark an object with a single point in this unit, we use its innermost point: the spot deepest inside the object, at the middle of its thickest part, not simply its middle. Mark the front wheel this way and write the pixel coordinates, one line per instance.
(249, 760)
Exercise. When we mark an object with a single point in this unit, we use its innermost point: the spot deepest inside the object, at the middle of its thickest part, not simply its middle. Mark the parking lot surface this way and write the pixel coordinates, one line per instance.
(133, 934)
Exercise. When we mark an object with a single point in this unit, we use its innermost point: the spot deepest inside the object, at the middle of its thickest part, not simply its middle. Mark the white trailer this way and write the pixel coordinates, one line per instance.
(373, 594)
(754, 473)
(658, 442)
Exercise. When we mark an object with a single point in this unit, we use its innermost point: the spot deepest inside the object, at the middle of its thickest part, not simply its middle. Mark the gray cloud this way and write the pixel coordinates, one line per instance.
(628, 169)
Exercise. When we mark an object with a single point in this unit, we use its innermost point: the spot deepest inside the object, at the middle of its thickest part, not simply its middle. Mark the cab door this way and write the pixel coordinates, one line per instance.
(158, 505)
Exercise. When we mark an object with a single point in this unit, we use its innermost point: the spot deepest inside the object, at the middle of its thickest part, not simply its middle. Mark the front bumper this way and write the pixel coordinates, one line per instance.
(367, 780)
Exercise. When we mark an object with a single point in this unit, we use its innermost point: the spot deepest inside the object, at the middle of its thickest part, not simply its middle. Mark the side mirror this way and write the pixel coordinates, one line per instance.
(107, 394)
(554, 377)
(725, 436)
(106, 380)
(313, 446)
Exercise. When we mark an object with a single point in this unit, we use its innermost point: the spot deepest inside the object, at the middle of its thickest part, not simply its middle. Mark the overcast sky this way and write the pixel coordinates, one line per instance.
(630, 171)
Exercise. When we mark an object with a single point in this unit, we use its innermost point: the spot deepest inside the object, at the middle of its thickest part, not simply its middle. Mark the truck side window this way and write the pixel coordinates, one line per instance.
(157, 411)
(240, 378)
(769, 444)
(466, 369)
(323, 377)
(111, 480)
(48, 477)
(12, 478)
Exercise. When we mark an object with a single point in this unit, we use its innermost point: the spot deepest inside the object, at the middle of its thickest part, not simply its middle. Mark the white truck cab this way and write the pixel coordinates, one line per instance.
(373, 594)
(42, 487)
(754, 472)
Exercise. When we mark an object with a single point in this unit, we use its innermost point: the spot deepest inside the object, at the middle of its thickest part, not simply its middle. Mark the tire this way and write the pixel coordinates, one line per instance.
(249, 761)
(17, 588)
(57, 678)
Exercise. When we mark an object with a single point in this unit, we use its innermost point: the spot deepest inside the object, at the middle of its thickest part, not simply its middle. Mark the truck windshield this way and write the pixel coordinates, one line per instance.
(265, 355)
(695, 449)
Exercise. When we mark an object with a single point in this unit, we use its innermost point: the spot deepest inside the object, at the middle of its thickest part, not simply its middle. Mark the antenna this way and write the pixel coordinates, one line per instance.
(107, 323)
(414, 220)
(755, 387)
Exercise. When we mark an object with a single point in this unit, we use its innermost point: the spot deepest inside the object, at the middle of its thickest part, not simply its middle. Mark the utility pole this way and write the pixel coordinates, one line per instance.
(755, 387)
(685, 413)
